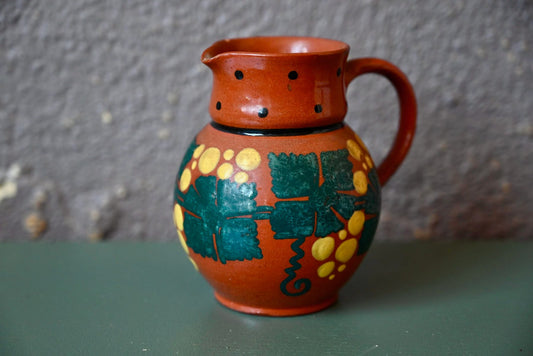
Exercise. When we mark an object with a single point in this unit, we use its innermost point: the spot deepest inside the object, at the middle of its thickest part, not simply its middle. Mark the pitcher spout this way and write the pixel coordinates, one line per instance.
(213, 54)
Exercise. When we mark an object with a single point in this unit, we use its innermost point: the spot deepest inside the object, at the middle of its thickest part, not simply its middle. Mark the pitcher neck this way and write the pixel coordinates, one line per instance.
(276, 88)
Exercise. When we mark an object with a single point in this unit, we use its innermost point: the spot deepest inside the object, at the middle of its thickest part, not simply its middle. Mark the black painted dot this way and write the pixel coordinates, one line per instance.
(339, 72)
(219, 105)
(262, 113)
(318, 108)
(239, 75)
(293, 75)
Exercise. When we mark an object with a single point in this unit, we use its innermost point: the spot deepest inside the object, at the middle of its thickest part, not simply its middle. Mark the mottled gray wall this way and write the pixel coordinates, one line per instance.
(99, 99)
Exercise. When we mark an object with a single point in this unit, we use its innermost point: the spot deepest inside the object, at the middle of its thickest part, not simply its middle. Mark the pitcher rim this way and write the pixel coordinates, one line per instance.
(206, 57)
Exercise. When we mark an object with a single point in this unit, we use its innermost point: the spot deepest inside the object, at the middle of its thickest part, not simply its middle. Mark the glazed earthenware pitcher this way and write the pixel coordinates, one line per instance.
(277, 200)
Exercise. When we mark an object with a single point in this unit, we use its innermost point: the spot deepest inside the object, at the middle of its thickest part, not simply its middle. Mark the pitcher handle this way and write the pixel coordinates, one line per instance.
(407, 99)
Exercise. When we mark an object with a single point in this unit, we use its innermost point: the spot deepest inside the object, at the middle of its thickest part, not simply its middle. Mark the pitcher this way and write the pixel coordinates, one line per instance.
(277, 200)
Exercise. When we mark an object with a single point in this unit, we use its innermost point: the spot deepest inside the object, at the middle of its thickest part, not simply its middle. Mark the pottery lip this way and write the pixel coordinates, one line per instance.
(273, 47)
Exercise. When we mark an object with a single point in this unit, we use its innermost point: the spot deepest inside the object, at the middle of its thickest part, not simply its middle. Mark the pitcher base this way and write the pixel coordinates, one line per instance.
(275, 311)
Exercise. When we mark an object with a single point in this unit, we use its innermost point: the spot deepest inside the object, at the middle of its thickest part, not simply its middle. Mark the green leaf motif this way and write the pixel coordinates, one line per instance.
(337, 169)
(297, 176)
(293, 175)
(218, 217)
(367, 235)
(291, 219)
(373, 195)
(238, 240)
(217, 222)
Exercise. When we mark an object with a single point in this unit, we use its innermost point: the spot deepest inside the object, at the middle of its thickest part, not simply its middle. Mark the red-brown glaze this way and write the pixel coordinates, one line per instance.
(286, 83)
(265, 64)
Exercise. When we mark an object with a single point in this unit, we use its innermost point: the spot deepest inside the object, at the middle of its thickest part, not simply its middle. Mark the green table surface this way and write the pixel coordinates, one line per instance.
(419, 298)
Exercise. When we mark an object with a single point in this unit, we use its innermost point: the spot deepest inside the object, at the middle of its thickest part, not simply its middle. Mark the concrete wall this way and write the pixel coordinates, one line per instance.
(99, 99)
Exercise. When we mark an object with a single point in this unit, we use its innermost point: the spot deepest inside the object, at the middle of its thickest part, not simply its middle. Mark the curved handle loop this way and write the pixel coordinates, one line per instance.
(407, 99)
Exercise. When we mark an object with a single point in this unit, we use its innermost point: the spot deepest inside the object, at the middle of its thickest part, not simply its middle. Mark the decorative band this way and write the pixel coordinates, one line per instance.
(277, 132)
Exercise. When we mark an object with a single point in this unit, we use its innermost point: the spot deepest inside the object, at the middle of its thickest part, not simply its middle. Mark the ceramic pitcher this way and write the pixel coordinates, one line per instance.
(277, 200)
